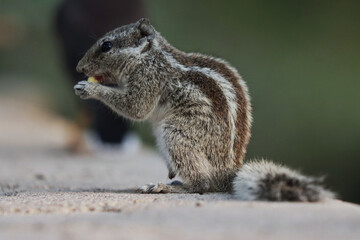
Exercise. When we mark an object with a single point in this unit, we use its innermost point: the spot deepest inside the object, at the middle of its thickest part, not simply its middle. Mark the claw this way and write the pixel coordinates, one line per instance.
(78, 87)
(145, 188)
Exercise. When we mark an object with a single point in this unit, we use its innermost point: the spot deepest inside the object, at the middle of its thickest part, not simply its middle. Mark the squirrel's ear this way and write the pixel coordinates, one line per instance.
(145, 28)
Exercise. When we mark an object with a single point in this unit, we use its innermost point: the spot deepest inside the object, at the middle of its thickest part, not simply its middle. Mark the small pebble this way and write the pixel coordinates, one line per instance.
(39, 176)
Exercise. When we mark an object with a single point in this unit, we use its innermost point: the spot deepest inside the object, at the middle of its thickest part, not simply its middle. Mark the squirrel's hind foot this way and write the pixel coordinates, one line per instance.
(174, 187)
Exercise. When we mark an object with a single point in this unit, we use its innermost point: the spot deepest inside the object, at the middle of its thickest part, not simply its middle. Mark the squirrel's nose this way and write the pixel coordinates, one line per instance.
(80, 69)
(80, 66)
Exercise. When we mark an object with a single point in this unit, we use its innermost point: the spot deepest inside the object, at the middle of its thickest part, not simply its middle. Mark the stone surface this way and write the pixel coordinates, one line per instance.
(46, 193)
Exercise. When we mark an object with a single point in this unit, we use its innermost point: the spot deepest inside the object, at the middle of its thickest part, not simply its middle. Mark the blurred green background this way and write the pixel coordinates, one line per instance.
(301, 60)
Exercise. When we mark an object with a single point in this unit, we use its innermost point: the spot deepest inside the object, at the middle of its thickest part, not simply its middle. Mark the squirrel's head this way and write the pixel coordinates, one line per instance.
(117, 50)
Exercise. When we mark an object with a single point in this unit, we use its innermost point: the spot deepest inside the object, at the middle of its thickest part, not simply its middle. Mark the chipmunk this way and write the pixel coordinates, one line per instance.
(200, 110)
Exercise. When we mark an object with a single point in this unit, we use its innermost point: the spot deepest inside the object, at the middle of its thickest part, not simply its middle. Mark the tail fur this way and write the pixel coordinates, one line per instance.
(267, 181)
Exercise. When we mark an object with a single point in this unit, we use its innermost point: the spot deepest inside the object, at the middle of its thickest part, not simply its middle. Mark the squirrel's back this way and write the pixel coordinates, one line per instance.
(235, 105)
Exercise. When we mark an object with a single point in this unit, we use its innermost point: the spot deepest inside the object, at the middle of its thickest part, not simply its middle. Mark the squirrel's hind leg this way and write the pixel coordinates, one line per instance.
(185, 159)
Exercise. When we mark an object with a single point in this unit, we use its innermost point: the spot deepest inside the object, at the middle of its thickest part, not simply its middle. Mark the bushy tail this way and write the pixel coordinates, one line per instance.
(267, 181)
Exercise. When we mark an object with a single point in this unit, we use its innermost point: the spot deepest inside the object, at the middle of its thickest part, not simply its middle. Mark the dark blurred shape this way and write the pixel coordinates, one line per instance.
(11, 31)
(79, 24)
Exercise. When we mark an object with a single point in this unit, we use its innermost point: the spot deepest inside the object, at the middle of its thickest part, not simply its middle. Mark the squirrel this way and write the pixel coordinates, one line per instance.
(200, 110)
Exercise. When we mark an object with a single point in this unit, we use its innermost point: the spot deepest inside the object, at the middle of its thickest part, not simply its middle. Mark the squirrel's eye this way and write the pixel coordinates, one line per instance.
(106, 46)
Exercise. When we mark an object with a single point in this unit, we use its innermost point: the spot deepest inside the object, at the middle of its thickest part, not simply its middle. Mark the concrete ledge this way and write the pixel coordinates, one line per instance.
(46, 193)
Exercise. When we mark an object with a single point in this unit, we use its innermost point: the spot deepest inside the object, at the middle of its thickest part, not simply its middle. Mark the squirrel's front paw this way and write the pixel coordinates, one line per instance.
(85, 89)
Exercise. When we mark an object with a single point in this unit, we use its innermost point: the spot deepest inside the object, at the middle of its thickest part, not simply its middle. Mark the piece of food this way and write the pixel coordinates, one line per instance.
(93, 80)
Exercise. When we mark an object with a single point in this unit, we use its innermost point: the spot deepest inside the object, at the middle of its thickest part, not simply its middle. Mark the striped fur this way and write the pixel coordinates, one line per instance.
(243, 113)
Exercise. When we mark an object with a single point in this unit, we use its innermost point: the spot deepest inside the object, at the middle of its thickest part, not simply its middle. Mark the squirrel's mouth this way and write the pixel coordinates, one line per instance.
(103, 78)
